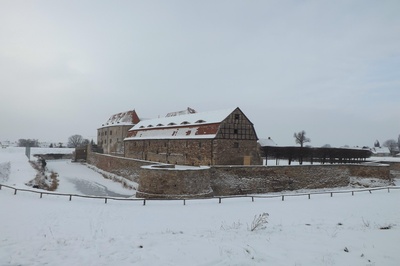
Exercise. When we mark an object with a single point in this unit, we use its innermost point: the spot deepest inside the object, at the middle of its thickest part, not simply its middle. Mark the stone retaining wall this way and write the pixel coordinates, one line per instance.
(164, 182)
(245, 180)
(394, 166)
(161, 182)
(125, 167)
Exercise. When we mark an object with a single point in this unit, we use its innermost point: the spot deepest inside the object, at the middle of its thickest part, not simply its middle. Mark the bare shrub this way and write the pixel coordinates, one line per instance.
(259, 222)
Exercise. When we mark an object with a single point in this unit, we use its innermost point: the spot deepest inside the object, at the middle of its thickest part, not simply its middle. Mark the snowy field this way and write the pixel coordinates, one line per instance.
(341, 230)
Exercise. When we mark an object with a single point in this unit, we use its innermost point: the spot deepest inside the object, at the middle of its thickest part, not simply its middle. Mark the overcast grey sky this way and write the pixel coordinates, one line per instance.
(331, 68)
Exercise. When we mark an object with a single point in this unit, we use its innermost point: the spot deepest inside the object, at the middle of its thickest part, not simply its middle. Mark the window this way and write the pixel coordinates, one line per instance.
(185, 123)
(235, 131)
(237, 116)
(200, 121)
(110, 132)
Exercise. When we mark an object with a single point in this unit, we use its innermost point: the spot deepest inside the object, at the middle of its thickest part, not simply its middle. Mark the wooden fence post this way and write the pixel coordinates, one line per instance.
(144, 202)
(331, 194)
(352, 193)
(41, 194)
(184, 202)
(15, 191)
(309, 196)
(283, 198)
(105, 200)
(219, 201)
(252, 199)
(70, 197)
(388, 189)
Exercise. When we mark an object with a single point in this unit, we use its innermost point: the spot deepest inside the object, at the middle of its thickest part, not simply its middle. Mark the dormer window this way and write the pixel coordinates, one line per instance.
(200, 121)
(160, 125)
(171, 124)
(150, 126)
(141, 127)
(185, 123)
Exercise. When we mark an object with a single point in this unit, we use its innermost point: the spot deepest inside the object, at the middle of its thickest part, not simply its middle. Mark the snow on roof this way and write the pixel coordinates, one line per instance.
(185, 120)
(380, 150)
(194, 125)
(124, 118)
(267, 142)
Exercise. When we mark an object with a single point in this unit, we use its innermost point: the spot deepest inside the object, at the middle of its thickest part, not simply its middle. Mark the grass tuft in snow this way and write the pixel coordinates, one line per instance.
(233, 226)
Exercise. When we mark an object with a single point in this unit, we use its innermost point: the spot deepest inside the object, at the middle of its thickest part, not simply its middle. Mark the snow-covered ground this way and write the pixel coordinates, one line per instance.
(363, 229)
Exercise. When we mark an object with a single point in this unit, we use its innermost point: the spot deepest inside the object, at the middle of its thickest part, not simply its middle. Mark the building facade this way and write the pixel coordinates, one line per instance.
(111, 135)
(225, 137)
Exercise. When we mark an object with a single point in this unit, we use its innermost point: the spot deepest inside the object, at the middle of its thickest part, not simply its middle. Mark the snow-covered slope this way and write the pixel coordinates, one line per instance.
(363, 229)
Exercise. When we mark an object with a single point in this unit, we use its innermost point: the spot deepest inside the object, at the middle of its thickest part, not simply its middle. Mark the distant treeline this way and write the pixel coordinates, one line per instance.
(320, 155)
(28, 143)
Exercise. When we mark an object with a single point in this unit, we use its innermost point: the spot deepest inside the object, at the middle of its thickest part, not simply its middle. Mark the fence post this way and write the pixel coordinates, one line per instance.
(252, 199)
(0, 187)
(370, 191)
(184, 202)
(331, 194)
(70, 197)
(388, 189)
(283, 198)
(15, 191)
(352, 193)
(144, 202)
(105, 200)
(41, 194)
(309, 196)
(219, 201)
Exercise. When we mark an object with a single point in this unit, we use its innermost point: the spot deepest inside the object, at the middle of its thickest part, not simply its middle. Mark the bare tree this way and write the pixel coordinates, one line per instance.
(376, 144)
(28, 143)
(75, 141)
(398, 142)
(301, 138)
(391, 144)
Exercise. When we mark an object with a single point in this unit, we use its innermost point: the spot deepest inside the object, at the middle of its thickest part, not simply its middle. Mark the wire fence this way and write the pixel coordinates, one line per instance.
(219, 198)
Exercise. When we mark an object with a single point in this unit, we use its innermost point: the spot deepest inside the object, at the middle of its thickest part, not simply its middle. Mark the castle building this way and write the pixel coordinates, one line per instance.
(225, 137)
(111, 135)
